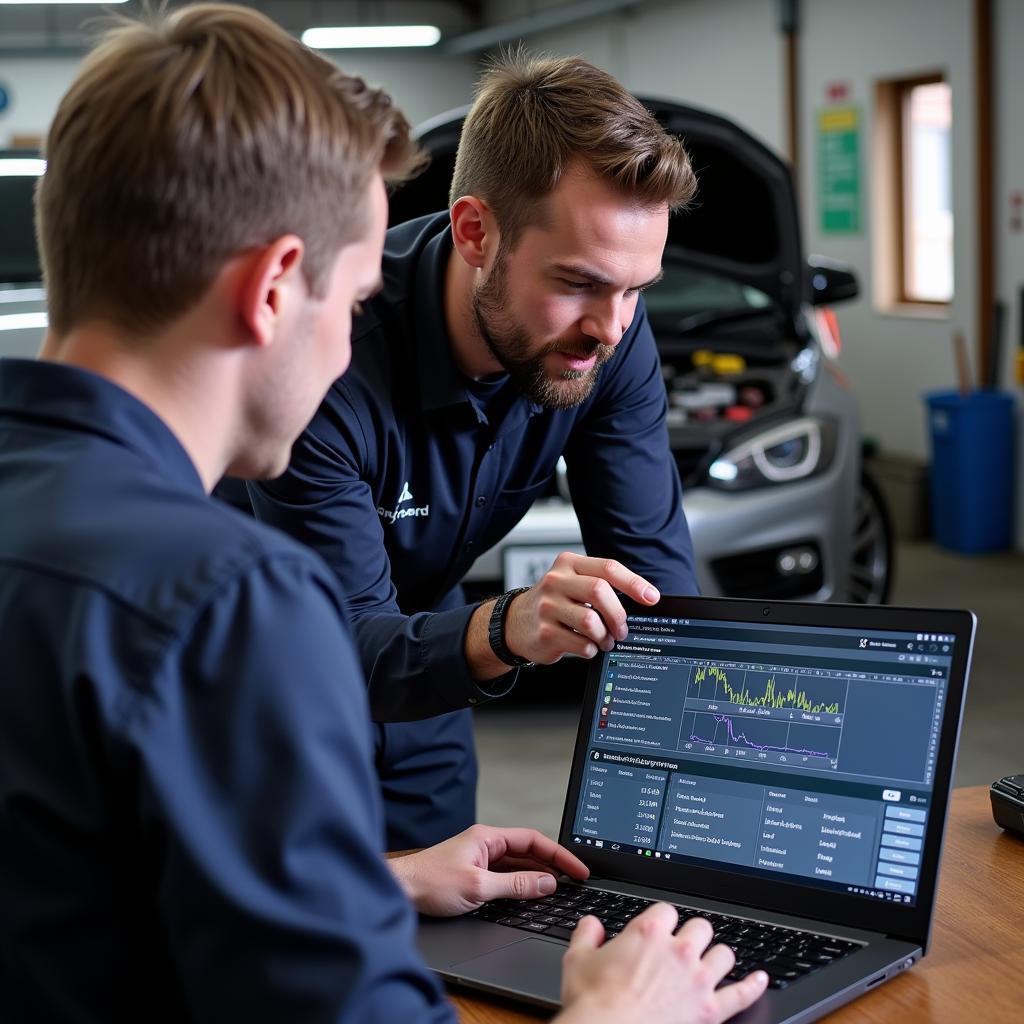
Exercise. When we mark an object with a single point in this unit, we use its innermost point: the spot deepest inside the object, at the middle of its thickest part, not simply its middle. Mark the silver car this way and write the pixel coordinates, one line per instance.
(763, 426)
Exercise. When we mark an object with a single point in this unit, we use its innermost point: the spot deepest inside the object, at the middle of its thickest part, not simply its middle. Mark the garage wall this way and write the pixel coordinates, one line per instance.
(893, 358)
(34, 88)
(724, 55)
(422, 85)
(1009, 15)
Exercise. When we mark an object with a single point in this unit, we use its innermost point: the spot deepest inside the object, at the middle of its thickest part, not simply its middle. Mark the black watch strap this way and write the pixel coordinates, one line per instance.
(496, 631)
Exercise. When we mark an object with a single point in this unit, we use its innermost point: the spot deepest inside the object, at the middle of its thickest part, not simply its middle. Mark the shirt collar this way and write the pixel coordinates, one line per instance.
(86, 402)
(441, 382)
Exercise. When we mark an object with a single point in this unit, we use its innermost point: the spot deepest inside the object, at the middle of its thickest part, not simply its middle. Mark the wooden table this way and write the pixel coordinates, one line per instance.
(974, 970)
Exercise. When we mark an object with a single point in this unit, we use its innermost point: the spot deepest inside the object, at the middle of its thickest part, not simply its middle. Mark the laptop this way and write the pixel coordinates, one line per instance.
(782, 769)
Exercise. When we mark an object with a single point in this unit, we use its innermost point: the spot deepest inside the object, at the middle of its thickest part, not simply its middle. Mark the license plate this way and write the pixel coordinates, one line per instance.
(523, 564)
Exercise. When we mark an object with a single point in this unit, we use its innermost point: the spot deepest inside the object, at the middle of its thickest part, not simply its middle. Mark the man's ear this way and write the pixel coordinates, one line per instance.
(269, 276)
(474, 230)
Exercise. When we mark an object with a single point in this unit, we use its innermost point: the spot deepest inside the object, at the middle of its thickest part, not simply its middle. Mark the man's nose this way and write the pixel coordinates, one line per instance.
(603, 322)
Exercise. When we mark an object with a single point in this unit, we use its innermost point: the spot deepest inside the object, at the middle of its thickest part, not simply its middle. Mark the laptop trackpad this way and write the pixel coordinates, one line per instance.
(533, 962)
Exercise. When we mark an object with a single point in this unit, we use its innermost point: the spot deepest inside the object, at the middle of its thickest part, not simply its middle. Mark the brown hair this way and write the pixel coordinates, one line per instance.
(189, 137)
(533, 116)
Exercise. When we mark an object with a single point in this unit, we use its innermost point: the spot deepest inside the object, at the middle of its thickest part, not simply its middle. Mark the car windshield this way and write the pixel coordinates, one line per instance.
(687, 297)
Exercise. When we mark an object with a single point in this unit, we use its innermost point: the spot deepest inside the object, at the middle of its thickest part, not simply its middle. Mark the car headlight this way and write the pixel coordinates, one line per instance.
(780, 455)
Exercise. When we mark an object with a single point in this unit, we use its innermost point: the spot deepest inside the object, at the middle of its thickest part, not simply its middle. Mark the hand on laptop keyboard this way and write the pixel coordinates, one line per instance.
(483, 863)
(786, 954)
(650, 974)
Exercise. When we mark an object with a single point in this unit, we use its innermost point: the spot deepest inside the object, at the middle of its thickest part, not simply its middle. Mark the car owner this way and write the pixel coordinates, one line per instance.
(509, 332)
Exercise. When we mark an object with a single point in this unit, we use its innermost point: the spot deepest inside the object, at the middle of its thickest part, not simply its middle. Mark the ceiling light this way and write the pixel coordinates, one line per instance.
(22, 321)
(95, 3)
(22, 295)
(21, 167)
(365, 36)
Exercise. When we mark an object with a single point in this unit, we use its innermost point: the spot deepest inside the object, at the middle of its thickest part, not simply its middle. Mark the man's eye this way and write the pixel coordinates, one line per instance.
(576, 286)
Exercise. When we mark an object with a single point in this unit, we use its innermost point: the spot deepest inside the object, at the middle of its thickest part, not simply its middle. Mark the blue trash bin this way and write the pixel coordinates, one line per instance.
(972, 469)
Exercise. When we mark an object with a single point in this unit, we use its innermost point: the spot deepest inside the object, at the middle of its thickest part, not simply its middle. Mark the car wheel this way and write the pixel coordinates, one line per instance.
(872, 558)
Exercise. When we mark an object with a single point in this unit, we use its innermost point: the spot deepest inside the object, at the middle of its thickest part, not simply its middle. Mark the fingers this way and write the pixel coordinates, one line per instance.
(550, 641)
(719, 960)
(588, 934)
(528, 843)
(616, 574)
(578, 594)
(559, 640)
(574, 609)
(696, 934)
(657, 918)
(518, 864)
(515, 885)
(595, 611)
(732, 999)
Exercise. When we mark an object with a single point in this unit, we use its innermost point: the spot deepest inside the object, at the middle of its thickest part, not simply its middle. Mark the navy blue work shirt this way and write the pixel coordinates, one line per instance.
(407, 474)
(189, 822)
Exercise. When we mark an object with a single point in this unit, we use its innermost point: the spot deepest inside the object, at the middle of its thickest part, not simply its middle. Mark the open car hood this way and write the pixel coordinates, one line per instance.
(743, 223)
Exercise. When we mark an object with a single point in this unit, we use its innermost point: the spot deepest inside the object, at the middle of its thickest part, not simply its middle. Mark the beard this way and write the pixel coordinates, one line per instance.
(510, 344)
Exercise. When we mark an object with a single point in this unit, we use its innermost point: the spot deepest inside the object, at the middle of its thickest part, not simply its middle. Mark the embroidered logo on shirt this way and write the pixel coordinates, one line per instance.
(390, 515)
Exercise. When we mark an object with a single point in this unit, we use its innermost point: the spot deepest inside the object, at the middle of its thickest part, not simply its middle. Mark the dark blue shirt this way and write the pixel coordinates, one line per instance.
(189, 823)
(406, 475)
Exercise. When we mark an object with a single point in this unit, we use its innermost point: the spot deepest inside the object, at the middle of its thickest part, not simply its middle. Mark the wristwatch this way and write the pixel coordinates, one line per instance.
(496, 631)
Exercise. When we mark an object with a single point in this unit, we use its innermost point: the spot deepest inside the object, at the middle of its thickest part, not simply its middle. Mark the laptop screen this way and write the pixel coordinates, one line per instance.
(805, 754)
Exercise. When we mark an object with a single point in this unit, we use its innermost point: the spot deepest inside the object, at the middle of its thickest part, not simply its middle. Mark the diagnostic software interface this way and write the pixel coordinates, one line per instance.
(777, 750)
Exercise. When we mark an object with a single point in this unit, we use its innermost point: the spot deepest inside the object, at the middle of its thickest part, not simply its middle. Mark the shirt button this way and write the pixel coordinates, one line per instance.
(490, 447)
(481, 501)
(472, 700)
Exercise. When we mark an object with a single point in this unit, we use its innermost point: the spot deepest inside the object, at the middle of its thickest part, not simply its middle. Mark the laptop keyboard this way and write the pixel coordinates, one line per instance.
(785, 954)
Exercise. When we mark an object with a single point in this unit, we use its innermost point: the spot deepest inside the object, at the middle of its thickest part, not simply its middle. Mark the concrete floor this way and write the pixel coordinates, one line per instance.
(518, 790)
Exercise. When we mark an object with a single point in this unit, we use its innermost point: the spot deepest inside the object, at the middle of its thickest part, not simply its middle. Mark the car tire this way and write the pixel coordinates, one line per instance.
(873, 554)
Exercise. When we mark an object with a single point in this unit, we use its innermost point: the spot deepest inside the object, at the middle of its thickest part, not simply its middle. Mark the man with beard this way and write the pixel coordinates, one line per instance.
(509, 332)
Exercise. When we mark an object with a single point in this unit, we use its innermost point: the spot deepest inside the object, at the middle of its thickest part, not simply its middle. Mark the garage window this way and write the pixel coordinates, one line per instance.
(927, 193)
(914, 173)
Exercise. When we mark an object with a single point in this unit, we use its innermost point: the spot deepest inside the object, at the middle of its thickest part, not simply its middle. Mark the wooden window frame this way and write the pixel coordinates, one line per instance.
(890, 206)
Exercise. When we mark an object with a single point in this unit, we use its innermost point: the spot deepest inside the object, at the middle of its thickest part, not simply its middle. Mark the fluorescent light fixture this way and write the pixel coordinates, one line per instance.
(22, 321)
(21, 167)
(22, 295)
(367, 36)
(95, 3)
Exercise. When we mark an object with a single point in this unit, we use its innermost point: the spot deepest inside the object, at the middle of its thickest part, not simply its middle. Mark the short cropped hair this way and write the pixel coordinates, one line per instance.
(535, 116)
(190, 137)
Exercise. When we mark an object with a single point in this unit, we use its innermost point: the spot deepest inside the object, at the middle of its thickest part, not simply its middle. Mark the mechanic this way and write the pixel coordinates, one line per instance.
(189, 821)
(509, 332)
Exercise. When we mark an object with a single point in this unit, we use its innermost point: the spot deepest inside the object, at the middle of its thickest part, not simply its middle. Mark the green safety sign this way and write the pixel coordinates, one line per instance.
(839, 170)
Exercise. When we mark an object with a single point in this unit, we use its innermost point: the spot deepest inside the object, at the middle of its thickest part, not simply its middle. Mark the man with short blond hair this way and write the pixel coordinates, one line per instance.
(189, 822)
(509, 332)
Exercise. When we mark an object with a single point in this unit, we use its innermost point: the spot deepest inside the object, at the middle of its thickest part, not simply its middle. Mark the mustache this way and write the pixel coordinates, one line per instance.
(574, 351)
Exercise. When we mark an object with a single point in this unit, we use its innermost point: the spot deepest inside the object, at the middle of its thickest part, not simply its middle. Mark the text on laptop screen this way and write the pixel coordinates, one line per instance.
(774, 750)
